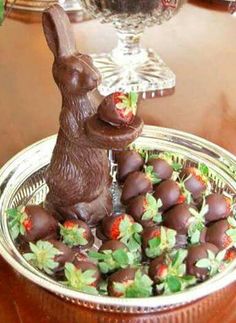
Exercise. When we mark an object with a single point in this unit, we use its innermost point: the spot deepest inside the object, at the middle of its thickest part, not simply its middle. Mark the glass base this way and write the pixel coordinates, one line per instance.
(153, 77)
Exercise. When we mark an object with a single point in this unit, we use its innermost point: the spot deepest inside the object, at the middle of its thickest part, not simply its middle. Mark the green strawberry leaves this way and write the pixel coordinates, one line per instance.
(1, 11)
(73, 236)
(173, 283)
(197, 223)
(128, 102)
(143, 153)
(164, 242)
(109, 261)
(130, 234)
(123, 258)
(81, 281)
(152, 209)
(231, 232)
(184, 191)
(176, 278)
(153, 250)
(232, 221)
(16, 218)
(43, 256)
(214, 263)
(140, 287)
(204, 170)
(178, 258)
(120, 288)
(102, 288)
(152, 175)
(133, 99)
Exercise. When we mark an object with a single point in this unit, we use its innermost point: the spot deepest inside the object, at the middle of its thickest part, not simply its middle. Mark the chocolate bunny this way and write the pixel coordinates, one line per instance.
(78, 175)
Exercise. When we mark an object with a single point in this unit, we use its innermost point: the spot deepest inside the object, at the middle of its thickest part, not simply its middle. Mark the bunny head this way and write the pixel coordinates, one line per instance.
(73, 72)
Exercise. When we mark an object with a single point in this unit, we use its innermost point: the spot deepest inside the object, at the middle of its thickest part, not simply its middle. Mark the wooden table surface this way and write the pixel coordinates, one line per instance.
(199, 45)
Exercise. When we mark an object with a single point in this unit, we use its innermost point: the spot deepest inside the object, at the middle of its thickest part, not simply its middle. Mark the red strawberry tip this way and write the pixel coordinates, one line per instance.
(181, 199)
(68, 224)
(162, 271)
(115, 230)
(27, 224)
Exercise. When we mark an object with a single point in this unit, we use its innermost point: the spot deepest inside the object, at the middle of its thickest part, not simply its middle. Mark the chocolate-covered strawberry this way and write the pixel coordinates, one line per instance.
(195, 180)
(145, 209)
(32, 223)
(163, 166)
(118, 109)
(128, 161)
(157, 240)
(219, 207)
(203, 260)
(112, 255)
(138, 183)
(169, 272)
(221, 233)
(186, 220)
(76, 233)
(49, 256)
(178, 218)
(83, 276)
(169, 193)
(129, 282)
(122, 227)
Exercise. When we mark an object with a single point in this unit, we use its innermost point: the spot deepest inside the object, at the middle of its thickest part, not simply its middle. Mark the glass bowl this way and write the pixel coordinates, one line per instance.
(22, 181)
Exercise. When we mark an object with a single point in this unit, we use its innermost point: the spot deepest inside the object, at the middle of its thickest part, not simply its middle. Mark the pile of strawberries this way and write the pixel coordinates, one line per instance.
(173, 232)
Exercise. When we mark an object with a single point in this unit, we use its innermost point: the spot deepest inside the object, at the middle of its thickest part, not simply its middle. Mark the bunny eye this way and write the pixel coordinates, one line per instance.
(79, 68)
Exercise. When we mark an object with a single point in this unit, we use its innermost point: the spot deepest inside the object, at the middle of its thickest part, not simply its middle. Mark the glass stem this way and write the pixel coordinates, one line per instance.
(128, 49)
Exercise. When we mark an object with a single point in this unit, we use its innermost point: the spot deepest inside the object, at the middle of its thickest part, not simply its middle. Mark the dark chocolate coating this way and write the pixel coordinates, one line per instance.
(193, 184)
(136, 209)
(112, 245)
(161, 167)
(120, 276)
(81, 256)
(154, 266)
(216, 234)
(67, 254)
(44, 225)
(128, 162)
(87, 233)
(111, 223)
(148, 234)
(91, 213)
(78, 175)
(196, 253)
(99, 234)
(87, 265)
(219, 208)
(105, 136)
(136, 183)
(169, 192)
(107, 112)
(178, 218)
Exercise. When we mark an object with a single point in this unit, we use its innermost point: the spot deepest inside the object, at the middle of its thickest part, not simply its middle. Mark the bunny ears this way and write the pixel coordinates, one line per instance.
(58, 31)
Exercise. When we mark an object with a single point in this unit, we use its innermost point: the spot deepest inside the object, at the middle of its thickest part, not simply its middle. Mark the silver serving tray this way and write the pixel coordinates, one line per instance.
(22, 180)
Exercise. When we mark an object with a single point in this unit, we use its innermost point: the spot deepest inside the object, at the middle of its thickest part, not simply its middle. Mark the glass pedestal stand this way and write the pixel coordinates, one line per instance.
(131, 68)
